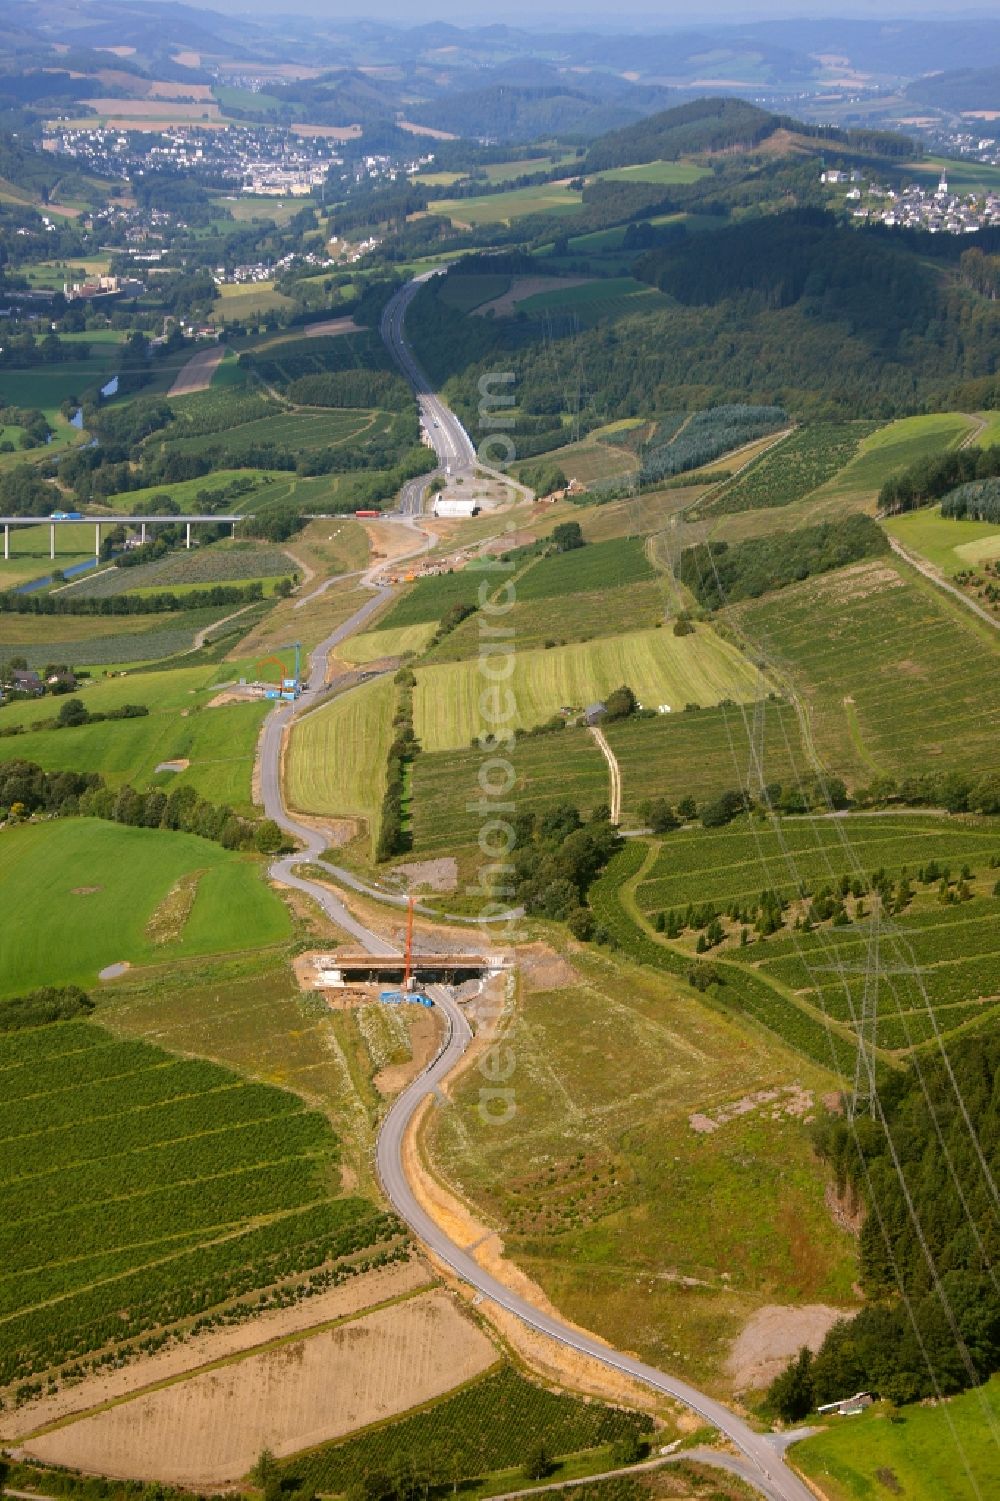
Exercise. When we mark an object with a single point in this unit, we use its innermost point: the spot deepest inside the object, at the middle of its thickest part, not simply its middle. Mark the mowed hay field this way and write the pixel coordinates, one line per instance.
(371, 645)
(78, 894)
(896, 677)
(335, 763)
(209, 1429)
(658, 666)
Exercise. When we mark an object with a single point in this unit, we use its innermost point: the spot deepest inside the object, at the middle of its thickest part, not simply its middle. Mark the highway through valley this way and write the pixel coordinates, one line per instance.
(455, 450)
(760, 1460)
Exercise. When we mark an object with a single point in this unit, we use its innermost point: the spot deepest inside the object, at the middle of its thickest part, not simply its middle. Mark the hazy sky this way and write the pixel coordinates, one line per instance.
(566, 14)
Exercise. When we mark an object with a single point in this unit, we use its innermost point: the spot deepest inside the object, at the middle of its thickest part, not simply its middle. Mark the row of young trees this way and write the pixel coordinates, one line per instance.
(135, 604)
(392, 839)
(26, 789)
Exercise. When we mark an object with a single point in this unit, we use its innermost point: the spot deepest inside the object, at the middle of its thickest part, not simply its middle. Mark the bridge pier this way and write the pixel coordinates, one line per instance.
(52, 539)
(188, 538)
(142, 532)
(6, 543)
(97, 539)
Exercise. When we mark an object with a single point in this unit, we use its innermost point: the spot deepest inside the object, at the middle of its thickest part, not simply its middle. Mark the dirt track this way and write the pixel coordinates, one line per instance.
(197, 374)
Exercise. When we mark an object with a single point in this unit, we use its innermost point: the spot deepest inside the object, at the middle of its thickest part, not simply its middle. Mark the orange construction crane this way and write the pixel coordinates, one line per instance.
(409, 943)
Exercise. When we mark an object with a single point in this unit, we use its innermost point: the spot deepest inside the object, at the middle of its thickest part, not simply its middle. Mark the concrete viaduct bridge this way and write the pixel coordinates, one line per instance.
(140, 522)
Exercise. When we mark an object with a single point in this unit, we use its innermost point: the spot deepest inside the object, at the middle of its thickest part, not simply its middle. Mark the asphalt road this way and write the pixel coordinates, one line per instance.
(454, 448)
(761, 1461)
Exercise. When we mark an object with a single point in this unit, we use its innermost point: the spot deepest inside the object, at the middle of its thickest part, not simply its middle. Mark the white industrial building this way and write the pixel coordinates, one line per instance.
(443, 507)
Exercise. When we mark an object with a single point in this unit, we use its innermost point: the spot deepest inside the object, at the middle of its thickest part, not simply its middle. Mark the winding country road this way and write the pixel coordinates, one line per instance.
(761, 1460)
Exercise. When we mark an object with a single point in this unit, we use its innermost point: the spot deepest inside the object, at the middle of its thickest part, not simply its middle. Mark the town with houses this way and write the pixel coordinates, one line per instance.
(937, 211)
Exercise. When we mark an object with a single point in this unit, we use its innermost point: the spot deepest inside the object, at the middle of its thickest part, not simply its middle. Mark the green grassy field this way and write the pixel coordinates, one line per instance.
(942, 1453)
(299, 432)
(895, 678)
(467, 292)
(218, 743)
(248, 302)
(667, 173)
(893, 448)
(612, 1200)
(963, 176)
(658, 666)
(430, 598)
(29, 552)
(336, 760)
(139, 1189)
(78, 894)
(48, 386)
(991, 432)
(600, 565)
(951, 545)
(503, 208)
(613, 297)
(185, 492)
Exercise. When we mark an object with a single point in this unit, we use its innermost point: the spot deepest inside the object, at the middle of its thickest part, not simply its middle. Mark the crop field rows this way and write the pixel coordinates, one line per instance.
(701, 755)
(245, 1011)
(955, 951)
(893, 448)
(698, 755)
(178, 1186)
(738, 862)
(218, 564)
(743, 992)
(559, 620)
(170, 636)
(562, 767)
(488, 1426)
(796, 467)
(296, 432)
(894, 678)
